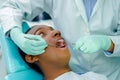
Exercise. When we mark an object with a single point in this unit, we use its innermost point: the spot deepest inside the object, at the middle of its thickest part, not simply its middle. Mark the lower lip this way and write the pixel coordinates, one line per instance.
(62, 47)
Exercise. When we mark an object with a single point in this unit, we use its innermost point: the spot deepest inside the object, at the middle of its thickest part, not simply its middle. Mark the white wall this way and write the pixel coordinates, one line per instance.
(2, 63)
(2, 66)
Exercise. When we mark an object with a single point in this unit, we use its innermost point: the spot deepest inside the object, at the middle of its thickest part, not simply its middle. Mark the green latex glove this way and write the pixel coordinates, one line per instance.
(93, 43)
(30, 44)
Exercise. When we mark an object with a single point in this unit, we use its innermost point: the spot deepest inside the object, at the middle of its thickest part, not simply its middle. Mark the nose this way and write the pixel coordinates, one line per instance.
(56, 33)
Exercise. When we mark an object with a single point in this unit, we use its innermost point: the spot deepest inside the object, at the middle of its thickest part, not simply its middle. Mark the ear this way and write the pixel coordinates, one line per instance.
(31, 59)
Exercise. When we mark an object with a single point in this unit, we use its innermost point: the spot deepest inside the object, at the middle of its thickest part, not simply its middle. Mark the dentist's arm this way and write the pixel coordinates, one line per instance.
(11, 15)
(12, 12)
(111, 49)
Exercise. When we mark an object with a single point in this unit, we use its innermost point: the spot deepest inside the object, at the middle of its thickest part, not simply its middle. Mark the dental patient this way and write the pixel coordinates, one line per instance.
(54, 62)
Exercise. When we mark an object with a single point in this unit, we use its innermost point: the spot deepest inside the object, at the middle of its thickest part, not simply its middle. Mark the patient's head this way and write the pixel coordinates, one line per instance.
(56, 54)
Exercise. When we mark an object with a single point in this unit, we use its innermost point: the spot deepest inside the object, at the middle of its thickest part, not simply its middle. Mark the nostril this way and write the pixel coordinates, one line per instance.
(57, 34)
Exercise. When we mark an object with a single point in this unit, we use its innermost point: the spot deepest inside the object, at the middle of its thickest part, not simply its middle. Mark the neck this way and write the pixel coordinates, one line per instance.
(52, 72)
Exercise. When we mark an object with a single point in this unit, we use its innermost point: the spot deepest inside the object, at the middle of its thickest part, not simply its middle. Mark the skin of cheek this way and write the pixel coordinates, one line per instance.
(50, 41)
(55, 56)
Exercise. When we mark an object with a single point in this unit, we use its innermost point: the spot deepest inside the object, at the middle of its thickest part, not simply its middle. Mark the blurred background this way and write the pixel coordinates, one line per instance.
(2, 63)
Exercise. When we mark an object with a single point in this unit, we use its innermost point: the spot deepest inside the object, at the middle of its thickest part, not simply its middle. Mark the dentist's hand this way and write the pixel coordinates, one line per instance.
(30, 44)
(93, 43)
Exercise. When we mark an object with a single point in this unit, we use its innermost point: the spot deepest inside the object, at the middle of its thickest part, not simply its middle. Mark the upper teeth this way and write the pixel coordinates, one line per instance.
(60, 43)
(60, 40)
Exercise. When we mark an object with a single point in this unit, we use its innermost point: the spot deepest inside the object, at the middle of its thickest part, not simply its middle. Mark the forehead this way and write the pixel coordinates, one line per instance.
(36, 28)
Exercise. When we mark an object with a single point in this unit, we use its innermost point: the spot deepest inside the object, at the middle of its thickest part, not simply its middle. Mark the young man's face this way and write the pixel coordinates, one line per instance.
(57, 51)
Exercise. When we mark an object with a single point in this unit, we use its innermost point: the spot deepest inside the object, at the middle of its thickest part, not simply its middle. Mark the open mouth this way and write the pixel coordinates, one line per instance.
(61, 43)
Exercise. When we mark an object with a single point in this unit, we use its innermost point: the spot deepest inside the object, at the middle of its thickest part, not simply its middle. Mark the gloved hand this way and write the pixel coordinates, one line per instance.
(30, 44)
(93, 43)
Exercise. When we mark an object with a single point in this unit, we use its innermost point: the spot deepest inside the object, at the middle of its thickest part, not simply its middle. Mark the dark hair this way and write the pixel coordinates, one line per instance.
(31, 65)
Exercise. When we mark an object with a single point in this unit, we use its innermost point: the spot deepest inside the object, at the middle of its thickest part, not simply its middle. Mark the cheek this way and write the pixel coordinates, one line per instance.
(49, 40)
(56, 55)
(59, 54)
(49, 56)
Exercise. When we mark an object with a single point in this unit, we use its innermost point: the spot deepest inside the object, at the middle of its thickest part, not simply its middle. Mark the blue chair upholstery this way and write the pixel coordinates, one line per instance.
(17, 69)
